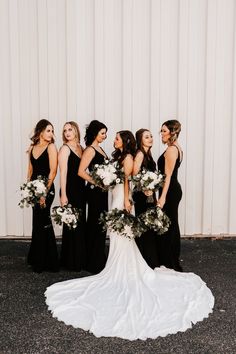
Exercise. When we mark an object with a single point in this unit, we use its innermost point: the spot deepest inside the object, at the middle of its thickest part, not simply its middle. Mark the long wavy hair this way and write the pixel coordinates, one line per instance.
(76, 129)
(129, 146)
(148, 161)
(40, 127)
(92, 131)
(174, 127)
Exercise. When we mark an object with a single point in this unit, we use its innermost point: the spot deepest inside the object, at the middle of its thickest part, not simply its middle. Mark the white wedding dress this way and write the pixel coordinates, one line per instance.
(128, 299)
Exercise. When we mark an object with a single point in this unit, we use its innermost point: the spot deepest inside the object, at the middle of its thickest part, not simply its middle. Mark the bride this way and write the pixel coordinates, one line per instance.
(128, 299)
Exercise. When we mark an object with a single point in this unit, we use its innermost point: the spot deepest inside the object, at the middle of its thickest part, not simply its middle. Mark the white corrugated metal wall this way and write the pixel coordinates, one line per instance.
(131, 64)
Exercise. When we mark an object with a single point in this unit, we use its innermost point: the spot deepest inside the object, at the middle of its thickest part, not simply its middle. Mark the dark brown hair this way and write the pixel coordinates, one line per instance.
(129, 146)
(148, 161)
(92, 131)
(40, 127)
(174, 127)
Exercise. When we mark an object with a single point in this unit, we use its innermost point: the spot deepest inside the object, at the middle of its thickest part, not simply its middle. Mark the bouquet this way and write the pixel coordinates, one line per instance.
(32, 191)
(67, 215)
(122, 222)
(155, 219)
(148, 181)
(107, 175)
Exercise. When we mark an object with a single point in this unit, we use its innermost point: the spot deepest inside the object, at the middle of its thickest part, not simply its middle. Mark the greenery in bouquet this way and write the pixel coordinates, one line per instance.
(107, 175)
(148, 180)
(66, 215)
(155, 219)
(32, 191)
(122, 222)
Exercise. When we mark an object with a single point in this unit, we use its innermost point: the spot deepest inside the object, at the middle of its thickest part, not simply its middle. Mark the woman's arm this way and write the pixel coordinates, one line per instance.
(52, 154)
(30, 167)
(138, 160)
(63, 160)
(128, 168)
(171, 156)
(87, 157)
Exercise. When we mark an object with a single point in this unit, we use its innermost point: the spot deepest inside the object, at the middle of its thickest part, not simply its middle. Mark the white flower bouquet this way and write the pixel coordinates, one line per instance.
(107, 175)
(123, 223)
(148, 181)
(32, 191)
(155, 219)
(67, 215)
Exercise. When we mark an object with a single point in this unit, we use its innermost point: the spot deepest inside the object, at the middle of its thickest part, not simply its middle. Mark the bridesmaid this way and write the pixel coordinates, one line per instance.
(43, 161)
(72, 192)
(170, 195)
(125, 145)
(97, 199)
(143, 159)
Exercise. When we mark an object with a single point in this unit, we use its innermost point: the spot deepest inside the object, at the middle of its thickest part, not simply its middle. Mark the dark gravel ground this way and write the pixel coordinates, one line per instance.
(26, 326)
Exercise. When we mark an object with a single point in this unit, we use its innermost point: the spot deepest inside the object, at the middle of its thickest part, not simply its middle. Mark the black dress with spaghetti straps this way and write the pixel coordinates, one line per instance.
(168, 244)
(147, 241)
(42, 254)
(97, 201)
(73, 251)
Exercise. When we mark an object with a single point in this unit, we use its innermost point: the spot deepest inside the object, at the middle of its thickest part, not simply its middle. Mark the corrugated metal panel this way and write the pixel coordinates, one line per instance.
(131, 64)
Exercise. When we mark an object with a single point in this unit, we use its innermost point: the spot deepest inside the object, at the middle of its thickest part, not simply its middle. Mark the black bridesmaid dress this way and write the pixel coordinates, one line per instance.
(43, 250)
(168, 244)
(97, 201)
(147, 241)
(73, 251)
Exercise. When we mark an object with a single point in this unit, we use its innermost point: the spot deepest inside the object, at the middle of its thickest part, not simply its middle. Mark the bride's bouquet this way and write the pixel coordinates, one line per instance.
(107, 175)
(148, 181)
(32, 191)
(155, 219)
(67, 215)
(123, 223)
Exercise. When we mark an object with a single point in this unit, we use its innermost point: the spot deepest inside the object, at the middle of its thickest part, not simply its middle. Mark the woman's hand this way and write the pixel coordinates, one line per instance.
(148, 193)
(128, 205)
(161, 202)
(63, 200)
(42, 202)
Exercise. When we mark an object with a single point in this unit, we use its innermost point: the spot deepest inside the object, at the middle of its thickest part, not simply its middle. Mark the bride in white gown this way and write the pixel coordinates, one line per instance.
(128, 299)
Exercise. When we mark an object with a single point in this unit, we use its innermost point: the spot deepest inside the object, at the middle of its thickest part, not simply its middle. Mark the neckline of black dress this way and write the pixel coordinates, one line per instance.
(104, 155)
(73, 151)
(40, 154)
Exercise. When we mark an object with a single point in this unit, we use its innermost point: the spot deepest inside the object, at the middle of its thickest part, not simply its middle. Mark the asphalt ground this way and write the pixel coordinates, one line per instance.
(27, 327)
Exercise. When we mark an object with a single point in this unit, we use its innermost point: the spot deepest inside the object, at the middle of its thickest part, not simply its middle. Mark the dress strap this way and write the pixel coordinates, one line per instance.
(104, 152)
(180, 153)
(68, 147)
(96, 151)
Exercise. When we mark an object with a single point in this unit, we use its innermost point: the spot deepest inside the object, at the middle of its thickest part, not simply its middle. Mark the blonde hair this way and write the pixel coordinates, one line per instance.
(76, 129)
(174, 127)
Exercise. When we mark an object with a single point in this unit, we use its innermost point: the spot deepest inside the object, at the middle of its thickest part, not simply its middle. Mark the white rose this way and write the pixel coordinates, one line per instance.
(151, 186)
(128, 231)
(107, 181)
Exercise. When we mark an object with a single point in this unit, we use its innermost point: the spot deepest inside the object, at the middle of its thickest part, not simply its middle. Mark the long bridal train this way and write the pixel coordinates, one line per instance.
(128, 299)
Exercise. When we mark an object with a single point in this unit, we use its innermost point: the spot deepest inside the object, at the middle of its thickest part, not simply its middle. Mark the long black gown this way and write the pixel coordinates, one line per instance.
(73, 251)
(168, 244)
(43, 250)
(97, 201)
(147, 241)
